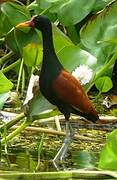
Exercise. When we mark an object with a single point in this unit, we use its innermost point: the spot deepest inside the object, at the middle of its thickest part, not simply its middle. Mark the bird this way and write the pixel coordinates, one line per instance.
(58, 85)
(110, 101)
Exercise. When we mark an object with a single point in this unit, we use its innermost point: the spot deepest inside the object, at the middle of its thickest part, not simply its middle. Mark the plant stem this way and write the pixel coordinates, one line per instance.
(45, 115)
(39, 151)
(104, 69)
(66, 174)
(13, 122)
(23, 80)
(20, 73)
(11, 66)
(20, 3)
(7, 56)
(24, 125)
(45, 11)
(17, 131)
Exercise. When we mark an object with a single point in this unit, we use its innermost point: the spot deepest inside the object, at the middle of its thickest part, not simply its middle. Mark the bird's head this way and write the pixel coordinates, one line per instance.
(39, 22)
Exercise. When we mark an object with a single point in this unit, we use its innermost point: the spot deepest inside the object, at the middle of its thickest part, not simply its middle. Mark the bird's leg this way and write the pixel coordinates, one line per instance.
(68, 139)
(63, 150)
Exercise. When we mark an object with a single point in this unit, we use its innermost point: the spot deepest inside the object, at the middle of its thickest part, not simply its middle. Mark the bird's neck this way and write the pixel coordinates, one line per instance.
(50, 60)
(48, 46)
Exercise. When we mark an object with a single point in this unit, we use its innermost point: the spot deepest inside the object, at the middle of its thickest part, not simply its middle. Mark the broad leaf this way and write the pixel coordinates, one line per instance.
(15, 12)
(5, 25)
(108, 158)
(100, 28)
(32, 54)
(100, 4)
(60, 39)
(73, 56)
(104, 84)
(18, 39)
(68, 12)
(73, 11)
(5, 84)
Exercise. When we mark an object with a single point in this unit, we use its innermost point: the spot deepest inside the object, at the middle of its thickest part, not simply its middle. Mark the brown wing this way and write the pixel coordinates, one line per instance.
(69, 90)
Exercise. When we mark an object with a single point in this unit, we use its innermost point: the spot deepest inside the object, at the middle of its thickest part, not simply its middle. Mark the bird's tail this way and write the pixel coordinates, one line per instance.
(90, 116)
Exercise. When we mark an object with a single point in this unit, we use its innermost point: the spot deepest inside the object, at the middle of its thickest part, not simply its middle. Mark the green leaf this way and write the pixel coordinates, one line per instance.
(5, 25)
(73, 11)
(15, 12)
(69, 12)
(3, 98)
(103, 84)
(100, 4)
(5, 84)
(32, 54)
(11, 42)
(108, 158)
(73, 56)
(60, 39)
(17, 39)
(100, 28)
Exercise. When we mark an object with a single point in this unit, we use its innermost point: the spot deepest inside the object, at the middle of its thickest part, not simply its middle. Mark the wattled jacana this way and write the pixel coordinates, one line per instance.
(57, 85)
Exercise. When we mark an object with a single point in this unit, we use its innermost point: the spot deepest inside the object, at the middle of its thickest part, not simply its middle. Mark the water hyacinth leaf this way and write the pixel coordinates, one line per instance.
(73, 56)
(5, 84)
(11, 42)
(3, 98)
(66, 11)
(32, 54)
(15, 12)
(108, 158)
(90, 34)
(100, 4)
(18, 39)
(110, 41)
(24, 38)
(5, 25)
(103, 84)
(100, 28)
(60, 39)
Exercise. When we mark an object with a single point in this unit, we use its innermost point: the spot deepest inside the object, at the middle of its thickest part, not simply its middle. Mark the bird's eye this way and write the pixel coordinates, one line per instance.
(108, 104)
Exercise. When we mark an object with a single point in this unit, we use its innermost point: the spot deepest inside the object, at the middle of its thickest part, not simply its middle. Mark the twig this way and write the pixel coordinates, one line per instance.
(54, 132)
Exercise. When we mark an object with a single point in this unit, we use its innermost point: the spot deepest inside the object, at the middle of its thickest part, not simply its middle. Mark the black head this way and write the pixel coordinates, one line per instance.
(40, 22)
